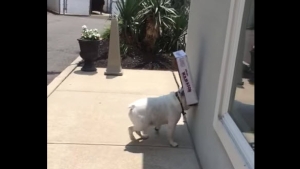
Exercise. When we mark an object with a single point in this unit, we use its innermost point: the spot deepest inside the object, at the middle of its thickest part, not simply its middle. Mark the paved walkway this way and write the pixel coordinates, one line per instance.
(62, 45)
(88, 121)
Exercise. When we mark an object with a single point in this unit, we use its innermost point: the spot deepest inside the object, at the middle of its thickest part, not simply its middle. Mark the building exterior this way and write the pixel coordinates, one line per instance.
(217, 45)
(215, 53)
(70, 7)
(79, 7)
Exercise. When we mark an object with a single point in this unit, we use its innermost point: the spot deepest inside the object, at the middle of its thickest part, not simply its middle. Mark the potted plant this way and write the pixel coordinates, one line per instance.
(89, 48)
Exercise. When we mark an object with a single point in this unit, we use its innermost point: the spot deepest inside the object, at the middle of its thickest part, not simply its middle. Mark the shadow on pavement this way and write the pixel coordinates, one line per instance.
(162, 155)
(79, 72)
(52, 72)
(110, 77)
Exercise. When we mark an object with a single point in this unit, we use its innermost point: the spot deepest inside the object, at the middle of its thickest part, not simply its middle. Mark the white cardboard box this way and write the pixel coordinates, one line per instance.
(186, 80)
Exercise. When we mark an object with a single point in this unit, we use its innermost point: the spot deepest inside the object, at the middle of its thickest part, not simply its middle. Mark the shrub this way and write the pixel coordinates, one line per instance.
(128, 10)
(156, 15)
(174, 38)
(105, 33)
(158, 25)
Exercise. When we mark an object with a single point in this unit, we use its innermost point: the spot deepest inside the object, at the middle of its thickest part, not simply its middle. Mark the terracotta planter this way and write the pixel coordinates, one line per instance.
(89, 51)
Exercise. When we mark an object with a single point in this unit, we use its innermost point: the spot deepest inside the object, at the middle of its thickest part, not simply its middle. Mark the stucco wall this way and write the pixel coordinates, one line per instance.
(207, 31)
(53, 5)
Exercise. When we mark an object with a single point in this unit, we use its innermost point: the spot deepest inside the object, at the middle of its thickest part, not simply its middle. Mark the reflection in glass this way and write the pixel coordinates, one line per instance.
(242, 101)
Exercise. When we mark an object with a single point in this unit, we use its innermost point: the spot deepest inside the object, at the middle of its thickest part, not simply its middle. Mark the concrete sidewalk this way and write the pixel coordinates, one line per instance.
(88, 121)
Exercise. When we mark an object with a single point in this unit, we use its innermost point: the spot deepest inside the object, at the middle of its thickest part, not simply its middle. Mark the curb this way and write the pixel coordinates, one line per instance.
(106, 17)
(62, 76)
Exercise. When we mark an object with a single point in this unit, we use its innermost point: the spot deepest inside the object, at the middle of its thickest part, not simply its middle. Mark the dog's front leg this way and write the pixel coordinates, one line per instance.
(171, 129)
(145, 134)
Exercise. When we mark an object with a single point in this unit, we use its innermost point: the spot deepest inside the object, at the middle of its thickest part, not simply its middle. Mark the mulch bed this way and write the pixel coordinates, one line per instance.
(135, 59)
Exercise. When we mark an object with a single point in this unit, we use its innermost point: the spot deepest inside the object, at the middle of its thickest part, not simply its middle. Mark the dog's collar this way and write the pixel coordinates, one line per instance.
(182, 110)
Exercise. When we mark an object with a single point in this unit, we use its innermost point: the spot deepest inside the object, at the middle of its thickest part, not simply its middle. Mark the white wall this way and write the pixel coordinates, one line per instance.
(207, 31)
(78, 7)
(53, 5)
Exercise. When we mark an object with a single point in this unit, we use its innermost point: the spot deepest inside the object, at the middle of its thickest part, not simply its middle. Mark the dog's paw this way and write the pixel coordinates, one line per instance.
(174, 144)
(145, 137)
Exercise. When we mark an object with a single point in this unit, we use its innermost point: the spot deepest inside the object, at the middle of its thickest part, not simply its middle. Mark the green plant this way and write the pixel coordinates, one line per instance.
(105, 36)
(178, 4)
(89, 34)
(123, 48)
(157, 25)
(128, 9)
(105, 33)
(156, 15)
(176, 35)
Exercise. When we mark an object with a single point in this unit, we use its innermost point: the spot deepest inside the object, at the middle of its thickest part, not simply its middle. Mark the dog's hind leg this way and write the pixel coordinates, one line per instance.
(138, 123)
(130, 130)
(138, 130)
(139, 133)
(142, 136)
(145, 134)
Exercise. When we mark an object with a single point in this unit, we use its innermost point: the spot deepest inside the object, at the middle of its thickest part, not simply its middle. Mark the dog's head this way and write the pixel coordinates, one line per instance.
(183, 99)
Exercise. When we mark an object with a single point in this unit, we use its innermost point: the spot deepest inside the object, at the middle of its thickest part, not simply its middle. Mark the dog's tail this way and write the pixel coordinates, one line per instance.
(131, 106)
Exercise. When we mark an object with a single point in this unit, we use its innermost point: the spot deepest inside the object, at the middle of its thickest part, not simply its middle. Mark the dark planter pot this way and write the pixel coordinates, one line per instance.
(89, 51)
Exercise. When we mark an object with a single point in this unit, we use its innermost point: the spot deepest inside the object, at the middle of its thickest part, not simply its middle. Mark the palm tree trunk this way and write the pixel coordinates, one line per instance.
(152, 33)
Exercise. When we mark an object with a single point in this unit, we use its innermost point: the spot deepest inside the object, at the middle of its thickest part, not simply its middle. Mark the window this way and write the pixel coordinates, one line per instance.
(241, 109)
(234, 122)
(241, 105)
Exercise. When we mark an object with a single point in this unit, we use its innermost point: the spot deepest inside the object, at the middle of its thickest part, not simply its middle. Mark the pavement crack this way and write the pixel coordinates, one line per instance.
(119, 145)
(117, 92)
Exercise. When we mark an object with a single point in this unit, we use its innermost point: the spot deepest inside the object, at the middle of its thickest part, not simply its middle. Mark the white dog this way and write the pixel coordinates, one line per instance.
(156, 111)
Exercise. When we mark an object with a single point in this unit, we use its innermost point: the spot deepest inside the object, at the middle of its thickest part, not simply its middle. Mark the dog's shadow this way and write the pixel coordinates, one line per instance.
(156, 151)
(132, 147)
